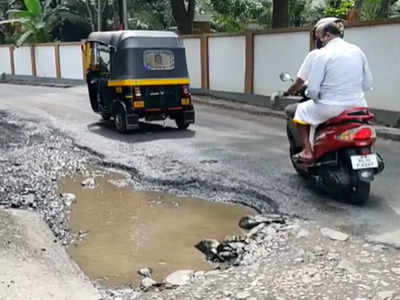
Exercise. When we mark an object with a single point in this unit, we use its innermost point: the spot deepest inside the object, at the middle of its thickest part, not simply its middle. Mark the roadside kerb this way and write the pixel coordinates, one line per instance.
(381, 131)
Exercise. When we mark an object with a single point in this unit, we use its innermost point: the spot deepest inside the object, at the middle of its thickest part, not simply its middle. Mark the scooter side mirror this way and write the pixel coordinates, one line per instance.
(112, 48)
(285, 77)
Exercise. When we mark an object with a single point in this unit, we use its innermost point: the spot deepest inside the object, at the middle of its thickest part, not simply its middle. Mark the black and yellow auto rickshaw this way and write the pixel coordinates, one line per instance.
(133, 75)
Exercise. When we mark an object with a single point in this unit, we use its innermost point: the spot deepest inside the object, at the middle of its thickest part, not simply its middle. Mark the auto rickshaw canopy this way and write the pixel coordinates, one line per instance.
(139, 57)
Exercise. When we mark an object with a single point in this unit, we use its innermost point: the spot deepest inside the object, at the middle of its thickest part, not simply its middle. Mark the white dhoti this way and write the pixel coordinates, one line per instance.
(312, 113)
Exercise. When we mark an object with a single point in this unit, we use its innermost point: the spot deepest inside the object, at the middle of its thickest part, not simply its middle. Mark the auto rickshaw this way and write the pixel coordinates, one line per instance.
(133, 75)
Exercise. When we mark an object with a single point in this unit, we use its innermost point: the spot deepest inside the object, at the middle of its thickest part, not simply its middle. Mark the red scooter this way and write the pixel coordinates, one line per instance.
(344, 161)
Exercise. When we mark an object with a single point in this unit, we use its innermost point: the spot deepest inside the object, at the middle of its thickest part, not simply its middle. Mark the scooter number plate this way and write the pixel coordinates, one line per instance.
(360, 162)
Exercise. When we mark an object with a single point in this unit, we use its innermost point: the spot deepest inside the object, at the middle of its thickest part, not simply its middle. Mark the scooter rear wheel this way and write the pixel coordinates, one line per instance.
(358, 194)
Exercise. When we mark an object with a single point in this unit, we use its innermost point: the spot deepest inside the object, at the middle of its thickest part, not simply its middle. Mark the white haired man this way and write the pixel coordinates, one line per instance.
(339, 76)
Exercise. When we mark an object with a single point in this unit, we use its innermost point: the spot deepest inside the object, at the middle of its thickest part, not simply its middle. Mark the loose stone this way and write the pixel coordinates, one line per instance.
(385, 295)
(396, 271)
(334, 234)
(145, 272)
(242, 295)
(180, 277)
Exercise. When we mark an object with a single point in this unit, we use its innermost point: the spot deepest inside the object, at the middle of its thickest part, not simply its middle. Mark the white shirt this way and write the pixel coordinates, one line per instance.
(305, 69)
(340, 75)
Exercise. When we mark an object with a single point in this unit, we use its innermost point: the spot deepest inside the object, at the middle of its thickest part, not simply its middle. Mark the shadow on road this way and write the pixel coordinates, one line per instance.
(147, 132)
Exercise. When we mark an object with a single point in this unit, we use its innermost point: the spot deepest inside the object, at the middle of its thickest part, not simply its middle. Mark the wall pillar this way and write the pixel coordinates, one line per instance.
(33, 60)
(57, 56)
(12, 64)
(249, 77)
(205, 81)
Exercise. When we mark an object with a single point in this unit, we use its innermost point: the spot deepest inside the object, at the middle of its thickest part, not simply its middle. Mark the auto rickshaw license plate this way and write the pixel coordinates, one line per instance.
(360, 162)
(185, 101)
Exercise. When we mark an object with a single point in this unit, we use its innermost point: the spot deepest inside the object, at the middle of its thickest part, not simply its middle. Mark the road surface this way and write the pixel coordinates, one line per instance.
(225, 156)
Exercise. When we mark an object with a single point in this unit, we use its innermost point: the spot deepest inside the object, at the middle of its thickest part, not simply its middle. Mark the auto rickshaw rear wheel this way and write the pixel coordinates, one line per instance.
(93, 97)
(105, 116)
(120, 121)
(180, 122)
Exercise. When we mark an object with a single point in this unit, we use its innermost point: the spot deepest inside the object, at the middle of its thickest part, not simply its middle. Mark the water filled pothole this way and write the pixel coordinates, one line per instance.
(128, 230)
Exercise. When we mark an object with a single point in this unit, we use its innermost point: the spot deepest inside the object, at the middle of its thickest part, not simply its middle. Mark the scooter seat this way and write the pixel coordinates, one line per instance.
(290, 110)
(360, 114)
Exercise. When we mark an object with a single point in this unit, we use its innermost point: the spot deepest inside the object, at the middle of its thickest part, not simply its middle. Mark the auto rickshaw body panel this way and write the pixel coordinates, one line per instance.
(141, 73)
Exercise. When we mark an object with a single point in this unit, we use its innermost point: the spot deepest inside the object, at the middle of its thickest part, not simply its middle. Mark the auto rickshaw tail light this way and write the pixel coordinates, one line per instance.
(138, 93)
(138, 104)
(185, 101)
(185, 91)
(185, 95)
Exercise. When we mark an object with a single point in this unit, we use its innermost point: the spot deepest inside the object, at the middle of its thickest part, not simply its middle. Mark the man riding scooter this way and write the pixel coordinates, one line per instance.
(338, 79)
(305, 68)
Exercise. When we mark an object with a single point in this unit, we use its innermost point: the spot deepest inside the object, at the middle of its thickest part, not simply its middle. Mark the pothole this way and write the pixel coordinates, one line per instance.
(125, 230)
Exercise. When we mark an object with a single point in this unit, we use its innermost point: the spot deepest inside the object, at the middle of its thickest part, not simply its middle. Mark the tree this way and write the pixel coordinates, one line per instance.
(90, 12)
(280, 17)
(357, 10)
(183, 12)
(162, 14)
(35, 21)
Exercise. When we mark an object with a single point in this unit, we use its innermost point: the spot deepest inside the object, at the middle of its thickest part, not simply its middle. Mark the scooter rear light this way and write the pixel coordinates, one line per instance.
(363, 134)
(357, 134)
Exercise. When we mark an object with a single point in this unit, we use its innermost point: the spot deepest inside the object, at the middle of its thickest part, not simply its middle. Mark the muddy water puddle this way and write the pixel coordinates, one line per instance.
(128, 230)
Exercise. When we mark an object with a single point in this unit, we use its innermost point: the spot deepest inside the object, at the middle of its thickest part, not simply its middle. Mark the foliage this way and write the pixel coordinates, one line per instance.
(34, 23)
(370, 9)
(150, 14)
(44, 20)
(396, 10)
(298, 12)
(342, 11)
(236, 15)
(85, 13)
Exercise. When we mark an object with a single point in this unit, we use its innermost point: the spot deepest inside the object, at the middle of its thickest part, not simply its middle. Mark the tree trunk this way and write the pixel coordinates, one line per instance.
(385, 9)
(357, 10)
(183, 14)
(280, 16)
(115, 15)
(120, 15)
(90, 14)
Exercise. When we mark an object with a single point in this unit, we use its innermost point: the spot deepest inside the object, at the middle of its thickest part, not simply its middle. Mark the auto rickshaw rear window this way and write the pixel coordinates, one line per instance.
(159, 60)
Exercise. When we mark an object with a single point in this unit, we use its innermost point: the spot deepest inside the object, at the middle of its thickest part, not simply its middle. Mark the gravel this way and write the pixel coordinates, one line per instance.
(280, 258)
(33, 159)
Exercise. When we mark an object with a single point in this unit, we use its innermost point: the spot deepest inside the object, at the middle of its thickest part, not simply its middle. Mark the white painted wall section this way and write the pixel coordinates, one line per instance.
(227, 63)
(5, 63)
(381, 44)
(276, 53)
(71, 62)
(22, 61)
(45, 61)
(193, 58)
